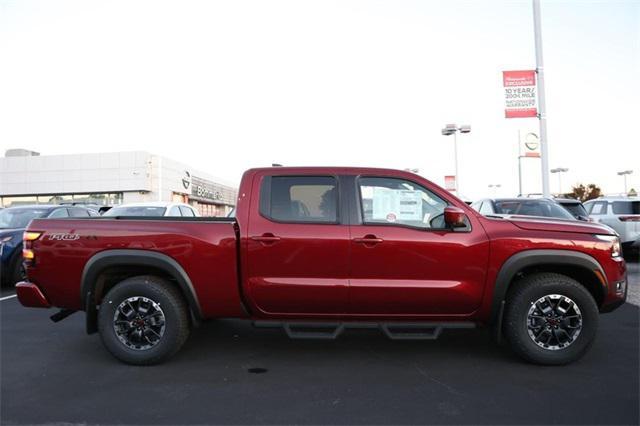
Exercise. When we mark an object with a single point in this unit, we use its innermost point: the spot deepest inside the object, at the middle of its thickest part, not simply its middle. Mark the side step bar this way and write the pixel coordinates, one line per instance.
(393, 330)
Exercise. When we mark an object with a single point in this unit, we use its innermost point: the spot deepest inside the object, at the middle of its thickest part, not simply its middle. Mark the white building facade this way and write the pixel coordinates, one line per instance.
(109, 179)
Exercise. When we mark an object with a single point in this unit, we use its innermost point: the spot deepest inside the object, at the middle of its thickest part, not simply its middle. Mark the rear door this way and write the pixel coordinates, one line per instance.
(404, 261)
(298, 246)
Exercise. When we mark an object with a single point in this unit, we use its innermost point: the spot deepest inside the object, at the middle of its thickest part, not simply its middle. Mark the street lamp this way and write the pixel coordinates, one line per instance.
(452, 129)
(559, 171)
(416, 171)
(494, 185)
(624, 174)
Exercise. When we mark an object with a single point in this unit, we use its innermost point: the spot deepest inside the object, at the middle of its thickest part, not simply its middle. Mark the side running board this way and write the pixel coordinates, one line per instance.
(393, 330)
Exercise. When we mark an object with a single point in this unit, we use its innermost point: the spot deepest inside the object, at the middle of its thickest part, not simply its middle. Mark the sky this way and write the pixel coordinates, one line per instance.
(224, 86)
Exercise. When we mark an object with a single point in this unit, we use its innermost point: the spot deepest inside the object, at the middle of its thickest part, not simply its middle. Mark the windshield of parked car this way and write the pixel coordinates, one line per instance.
(532, 208)
(576, 209)
(136, 211)
(19, 217)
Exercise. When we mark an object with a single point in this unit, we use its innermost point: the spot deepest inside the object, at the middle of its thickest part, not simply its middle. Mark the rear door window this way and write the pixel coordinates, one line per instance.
(626, 207)
(308, 199)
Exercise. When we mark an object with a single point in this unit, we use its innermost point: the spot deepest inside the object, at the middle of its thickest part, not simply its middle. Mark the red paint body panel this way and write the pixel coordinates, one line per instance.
(207, 251)
(30, 295)
(285, 270)
(417, 273)
(306, 272)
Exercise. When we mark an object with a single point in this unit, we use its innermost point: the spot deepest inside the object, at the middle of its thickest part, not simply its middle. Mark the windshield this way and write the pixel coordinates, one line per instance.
(532, 208)
(19, 217)
(136, 211)
(576, 209)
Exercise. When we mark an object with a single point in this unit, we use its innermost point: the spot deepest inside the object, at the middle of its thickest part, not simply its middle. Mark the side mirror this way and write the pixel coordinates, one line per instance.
(455, 217)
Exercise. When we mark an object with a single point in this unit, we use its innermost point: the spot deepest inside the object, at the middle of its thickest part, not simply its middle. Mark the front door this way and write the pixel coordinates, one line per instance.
(298, 250)
(404, 261)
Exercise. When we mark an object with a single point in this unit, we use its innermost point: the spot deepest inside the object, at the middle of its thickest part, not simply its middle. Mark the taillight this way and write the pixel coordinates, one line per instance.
(27, 239)
(30, 236)
(635, 218)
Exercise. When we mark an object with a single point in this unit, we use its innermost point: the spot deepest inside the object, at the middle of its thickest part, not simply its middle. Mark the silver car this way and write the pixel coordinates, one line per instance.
(620, 213)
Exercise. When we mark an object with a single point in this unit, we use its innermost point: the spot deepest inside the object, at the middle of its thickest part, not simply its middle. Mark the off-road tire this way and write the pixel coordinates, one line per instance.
(526, 292)
(176, 319)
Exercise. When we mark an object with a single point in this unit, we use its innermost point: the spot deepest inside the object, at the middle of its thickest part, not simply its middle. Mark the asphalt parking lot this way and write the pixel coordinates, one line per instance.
(54, 373)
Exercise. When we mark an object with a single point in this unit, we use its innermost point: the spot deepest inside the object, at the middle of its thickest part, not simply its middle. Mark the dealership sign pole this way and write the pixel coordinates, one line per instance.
(541, 101)
(525, 97)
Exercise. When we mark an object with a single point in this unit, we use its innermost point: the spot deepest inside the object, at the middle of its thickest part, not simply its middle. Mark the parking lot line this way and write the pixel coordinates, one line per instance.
(8, 297)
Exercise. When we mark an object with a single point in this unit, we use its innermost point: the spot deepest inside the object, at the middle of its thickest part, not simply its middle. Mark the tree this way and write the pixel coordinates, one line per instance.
(585, 193)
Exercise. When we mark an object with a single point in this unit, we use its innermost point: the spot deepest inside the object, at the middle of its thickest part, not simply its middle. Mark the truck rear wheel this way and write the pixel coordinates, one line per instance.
(550, 319)
(143, 320)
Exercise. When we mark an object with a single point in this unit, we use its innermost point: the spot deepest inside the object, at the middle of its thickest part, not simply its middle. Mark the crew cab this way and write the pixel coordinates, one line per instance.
(317, 251)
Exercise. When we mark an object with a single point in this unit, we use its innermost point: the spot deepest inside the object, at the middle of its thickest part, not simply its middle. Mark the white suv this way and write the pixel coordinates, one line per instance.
(621, 214)
(153, 209)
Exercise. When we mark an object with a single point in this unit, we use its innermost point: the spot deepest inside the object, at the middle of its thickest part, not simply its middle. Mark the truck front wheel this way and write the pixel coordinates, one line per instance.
(550, 319)
(143, 320)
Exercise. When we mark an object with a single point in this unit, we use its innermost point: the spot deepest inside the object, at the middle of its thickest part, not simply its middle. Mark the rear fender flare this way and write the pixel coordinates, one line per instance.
(123, 257)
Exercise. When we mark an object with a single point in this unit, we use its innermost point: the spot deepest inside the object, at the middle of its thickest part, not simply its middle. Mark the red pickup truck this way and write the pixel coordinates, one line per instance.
(319, 250)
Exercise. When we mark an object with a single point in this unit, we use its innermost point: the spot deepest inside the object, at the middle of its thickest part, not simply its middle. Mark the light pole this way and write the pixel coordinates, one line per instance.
(559, 171)
(542, 106)
(624, 174)
(452, 129)
(494, 185)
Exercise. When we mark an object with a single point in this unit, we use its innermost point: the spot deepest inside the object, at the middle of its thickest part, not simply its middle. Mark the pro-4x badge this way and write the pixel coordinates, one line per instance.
(63, 236)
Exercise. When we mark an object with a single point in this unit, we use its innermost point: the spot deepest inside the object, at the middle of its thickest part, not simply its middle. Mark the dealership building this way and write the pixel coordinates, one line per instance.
(109, 179)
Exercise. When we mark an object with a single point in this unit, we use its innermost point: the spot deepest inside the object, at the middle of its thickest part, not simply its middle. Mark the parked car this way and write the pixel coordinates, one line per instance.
(319, 250)
(541, 207)
(158, 208)
(621, 214)
(13, 221)
(575, 207)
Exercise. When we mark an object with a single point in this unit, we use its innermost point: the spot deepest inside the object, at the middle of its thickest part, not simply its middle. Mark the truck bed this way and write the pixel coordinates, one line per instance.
(205, 247)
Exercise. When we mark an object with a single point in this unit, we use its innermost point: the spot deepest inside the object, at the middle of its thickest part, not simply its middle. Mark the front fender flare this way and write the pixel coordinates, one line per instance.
(528, 258)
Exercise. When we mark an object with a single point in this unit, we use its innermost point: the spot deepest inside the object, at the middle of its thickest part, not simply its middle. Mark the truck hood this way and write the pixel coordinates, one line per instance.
(536, 223)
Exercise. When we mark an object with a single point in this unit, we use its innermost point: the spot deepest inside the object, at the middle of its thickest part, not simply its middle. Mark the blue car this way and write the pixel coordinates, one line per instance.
(13, 222)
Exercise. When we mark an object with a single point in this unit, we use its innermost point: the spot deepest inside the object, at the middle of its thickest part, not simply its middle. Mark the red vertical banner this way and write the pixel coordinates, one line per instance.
(520, 94)
(450, 183)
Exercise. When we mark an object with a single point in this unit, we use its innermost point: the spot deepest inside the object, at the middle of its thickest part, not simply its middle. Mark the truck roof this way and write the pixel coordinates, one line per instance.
(332, 170)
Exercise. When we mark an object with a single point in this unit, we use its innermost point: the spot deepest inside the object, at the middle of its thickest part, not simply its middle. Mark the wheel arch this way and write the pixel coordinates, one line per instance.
(577, 265)
(107, 268)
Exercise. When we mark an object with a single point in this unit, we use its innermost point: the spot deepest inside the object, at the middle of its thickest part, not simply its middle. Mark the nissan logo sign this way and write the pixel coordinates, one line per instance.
(186, 180)
(531, 141)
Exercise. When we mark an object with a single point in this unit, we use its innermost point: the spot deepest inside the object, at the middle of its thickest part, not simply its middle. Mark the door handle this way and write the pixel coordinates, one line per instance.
(368, 239)
(266, 238)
